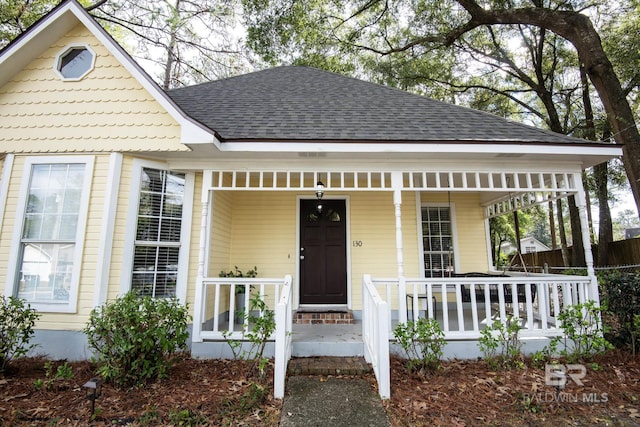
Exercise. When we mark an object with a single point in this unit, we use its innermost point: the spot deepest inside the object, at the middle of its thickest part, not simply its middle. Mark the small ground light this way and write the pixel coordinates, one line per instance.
(93, 389)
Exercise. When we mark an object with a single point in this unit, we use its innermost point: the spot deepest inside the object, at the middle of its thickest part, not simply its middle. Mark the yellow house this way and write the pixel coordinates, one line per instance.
(356, 202)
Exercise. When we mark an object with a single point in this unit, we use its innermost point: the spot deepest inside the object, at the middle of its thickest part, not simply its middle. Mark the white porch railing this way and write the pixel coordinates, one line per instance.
(284, 332)
(375, 335)
(465, 305)
(217, 315)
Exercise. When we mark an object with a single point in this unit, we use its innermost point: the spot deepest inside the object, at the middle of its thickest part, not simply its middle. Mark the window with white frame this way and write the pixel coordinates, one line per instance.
(437, 240)
(49, 250)
(159, 224)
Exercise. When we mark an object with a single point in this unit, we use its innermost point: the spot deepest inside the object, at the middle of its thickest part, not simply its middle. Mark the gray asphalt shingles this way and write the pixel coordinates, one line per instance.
(302, 103)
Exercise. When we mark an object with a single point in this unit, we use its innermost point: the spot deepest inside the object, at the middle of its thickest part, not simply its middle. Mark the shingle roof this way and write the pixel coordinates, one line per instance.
(303, 104)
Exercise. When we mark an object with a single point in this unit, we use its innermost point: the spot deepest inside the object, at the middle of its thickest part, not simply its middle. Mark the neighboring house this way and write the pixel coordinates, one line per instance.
(630, 233)
(527, 244)
(109, 185)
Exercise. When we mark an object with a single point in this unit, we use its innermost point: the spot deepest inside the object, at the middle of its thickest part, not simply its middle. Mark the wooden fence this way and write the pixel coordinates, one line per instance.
(622, 252)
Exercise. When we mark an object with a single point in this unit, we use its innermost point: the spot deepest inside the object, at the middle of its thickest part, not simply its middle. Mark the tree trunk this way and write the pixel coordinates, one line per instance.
(563, 235)
(605, 228)
(577, 253)
(552, 227)
(171, 56)
(587, 200)
(600, 175)
(577, 29)
(516, 226)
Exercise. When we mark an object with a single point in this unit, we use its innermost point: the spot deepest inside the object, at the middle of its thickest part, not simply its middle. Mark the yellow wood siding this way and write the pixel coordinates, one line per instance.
(259, 228)
(108, 110)
(263, 232)
(220, 253)
(194, 249)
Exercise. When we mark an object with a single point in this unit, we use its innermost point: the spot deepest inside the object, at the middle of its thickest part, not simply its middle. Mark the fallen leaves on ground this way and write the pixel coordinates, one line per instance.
(219, 392)
(468, 393)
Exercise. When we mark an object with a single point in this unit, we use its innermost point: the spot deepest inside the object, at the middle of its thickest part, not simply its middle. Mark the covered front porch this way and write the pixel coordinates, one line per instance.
(462, 302)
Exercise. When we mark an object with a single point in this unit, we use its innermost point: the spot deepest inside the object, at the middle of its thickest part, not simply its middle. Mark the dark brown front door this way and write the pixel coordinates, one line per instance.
(323, 252)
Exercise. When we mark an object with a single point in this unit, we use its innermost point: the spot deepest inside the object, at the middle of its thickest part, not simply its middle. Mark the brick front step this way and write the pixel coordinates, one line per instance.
(324, 317)
(328, 366)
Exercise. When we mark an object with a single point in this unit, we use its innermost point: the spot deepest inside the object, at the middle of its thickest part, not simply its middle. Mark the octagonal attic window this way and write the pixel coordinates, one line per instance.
(75, 62)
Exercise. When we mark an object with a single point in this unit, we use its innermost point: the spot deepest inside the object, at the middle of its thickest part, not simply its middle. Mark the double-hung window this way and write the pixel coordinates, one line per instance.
(437, 241)
(159, 233)
(54, 199)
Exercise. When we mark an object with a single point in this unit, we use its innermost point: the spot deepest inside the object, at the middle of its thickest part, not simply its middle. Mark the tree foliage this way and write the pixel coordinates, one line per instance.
(385, 32)
(17, 15)
(186, 41)
(179, 42)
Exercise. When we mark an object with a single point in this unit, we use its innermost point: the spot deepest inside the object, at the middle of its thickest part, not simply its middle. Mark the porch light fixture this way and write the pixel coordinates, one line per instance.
(319, 189)
(93, 389)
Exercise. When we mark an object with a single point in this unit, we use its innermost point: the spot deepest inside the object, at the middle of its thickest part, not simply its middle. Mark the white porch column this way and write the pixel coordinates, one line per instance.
(203, 245)
(581, 203)
(396, 183)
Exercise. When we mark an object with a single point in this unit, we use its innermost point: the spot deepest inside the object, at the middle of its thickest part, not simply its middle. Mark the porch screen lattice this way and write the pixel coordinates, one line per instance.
(157, 245)
(437, 241)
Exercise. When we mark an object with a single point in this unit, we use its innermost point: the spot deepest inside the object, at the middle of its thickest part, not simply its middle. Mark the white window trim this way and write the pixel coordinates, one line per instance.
(454, 232)
(132, 223)
(58, 60)
(12, 272)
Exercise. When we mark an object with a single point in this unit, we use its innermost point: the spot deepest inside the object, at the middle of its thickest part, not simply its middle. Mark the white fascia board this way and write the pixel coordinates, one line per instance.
(324, 165)
(421, 147)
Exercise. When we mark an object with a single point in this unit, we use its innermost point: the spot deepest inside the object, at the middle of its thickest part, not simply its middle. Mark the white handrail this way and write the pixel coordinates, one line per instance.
(284, 322)
(464, 305)
(375, 335)
(215, 305)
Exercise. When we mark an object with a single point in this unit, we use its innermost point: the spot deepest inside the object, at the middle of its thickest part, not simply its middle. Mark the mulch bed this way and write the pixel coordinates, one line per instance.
(197, 392)
(219, 392)
(469, 393)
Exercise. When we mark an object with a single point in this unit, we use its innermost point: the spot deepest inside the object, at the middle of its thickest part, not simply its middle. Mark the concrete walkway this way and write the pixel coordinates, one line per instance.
(313, 401)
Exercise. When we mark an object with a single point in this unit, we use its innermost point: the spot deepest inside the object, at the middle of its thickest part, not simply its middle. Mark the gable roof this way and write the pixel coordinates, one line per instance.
(304, 104)
(61, 19)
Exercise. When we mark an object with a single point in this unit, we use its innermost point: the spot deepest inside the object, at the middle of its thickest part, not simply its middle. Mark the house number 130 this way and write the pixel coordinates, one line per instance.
(357, 243)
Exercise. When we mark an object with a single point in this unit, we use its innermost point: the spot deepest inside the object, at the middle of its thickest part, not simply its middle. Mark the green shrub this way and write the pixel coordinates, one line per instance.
(501, 343)
(583, 335)
(187, 418)
(261, 327)
(136, 338)
(635, 333)
(423, 343)
(540, 358)
(62, 372)
(621, 299)
(17, 320)
(238, 273)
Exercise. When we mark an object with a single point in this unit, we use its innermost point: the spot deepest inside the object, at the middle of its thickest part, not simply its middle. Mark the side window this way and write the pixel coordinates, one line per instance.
(437, 238)
(50, 246)
(158, 237)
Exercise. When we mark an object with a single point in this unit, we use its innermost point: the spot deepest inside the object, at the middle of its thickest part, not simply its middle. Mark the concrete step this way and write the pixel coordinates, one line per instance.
(327, 348)
(328, 366)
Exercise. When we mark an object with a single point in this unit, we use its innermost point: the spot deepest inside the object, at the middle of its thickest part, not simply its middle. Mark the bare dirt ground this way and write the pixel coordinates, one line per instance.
(218, 392)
